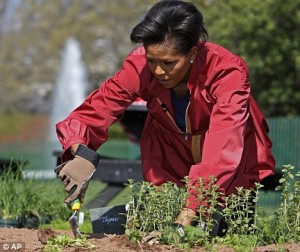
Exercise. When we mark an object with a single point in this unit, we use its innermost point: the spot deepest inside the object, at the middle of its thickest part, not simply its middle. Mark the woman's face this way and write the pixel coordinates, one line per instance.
(167, 65)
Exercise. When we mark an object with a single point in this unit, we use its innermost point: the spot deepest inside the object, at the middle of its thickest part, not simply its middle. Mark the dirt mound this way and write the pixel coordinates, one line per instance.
(45, 234)
(34, 240)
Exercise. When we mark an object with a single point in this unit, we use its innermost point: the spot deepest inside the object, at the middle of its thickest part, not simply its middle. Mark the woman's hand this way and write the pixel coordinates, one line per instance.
(185, 217)
(76, 173)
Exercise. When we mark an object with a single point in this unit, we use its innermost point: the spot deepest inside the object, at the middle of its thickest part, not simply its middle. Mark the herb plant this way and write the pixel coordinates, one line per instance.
(153, 209)
(61, 241)
(284, 224)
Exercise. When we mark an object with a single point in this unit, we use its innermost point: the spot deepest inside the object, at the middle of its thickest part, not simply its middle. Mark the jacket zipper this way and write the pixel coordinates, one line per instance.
(187, 122)
(166, 110)
(195, 140)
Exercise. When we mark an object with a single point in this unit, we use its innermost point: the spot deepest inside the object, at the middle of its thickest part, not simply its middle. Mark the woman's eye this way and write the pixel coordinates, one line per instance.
(168, 63)
(151, 61)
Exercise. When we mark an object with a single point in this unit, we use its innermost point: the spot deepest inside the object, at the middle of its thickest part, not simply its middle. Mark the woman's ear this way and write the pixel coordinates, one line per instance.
(193, 53)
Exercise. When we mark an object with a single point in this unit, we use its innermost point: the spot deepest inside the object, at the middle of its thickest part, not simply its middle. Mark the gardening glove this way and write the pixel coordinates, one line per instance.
(186, 216)
(76, 173)
(152, 237)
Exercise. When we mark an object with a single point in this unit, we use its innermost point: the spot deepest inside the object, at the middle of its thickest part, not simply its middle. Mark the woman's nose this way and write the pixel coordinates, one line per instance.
(159, 70)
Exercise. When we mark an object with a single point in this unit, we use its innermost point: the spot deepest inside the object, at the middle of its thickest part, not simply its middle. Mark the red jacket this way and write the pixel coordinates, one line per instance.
(226, 134)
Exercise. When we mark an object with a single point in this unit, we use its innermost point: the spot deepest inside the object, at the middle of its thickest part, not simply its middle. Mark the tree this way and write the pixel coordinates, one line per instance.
(266, 34)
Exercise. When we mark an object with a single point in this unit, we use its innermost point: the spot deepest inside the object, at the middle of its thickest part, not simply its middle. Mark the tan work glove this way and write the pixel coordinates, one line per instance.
(76, 173)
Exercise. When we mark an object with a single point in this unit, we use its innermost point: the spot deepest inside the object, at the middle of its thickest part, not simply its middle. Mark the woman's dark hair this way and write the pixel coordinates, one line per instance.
(171, 21)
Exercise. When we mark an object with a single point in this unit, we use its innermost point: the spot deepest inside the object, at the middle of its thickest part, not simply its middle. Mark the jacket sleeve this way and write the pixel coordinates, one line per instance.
(224, 140)
(88, 124)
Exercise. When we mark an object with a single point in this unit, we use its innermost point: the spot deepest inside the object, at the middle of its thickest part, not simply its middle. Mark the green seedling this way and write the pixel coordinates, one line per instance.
(59, 242)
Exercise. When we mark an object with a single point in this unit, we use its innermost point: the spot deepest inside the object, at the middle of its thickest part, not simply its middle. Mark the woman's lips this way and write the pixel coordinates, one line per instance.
(163, 81)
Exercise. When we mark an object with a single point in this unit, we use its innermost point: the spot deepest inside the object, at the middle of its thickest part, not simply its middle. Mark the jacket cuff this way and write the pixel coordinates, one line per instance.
(88, 154)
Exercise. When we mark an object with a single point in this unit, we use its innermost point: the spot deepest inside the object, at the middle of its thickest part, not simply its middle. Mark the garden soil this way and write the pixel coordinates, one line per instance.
(34, 240)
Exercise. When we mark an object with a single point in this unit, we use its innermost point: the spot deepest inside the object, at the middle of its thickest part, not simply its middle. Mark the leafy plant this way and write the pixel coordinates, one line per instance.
(8, 204)
(206, 191)
(240, 213)
(152, 209)
(61, 241)
(240, 243)
(28, 199)
(284, 224)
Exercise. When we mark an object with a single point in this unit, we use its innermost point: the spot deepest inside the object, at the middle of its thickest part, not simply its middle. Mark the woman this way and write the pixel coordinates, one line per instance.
(202, 120)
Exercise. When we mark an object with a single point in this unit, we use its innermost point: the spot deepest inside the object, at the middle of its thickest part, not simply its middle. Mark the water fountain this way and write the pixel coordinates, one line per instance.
(70, 91)
(70, 87)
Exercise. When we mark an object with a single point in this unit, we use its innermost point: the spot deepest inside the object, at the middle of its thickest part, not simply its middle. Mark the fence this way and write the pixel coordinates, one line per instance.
(285, 135)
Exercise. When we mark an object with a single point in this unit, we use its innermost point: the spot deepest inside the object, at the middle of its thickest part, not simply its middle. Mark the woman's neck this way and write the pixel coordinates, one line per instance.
(181, 89)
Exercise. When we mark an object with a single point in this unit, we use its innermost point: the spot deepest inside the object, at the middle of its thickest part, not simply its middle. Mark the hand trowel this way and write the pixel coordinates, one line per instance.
(73, 221)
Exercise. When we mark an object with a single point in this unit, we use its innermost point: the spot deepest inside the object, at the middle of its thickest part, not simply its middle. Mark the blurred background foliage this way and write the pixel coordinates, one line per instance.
(33, 34)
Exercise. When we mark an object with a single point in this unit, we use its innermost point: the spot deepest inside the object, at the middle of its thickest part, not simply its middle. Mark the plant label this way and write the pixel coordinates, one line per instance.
(108, 220)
